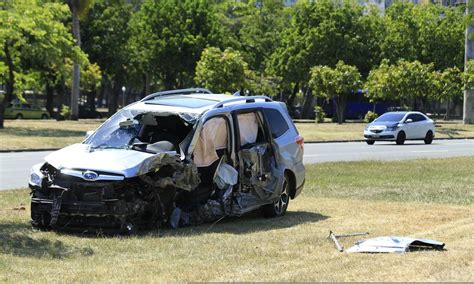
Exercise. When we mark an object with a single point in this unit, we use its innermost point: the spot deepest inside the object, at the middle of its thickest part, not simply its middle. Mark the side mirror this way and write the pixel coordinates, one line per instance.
(409, 120)
(89, 133)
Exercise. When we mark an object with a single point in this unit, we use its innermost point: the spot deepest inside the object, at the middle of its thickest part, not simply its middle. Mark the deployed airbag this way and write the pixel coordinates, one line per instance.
(248, 127)
(213, 137)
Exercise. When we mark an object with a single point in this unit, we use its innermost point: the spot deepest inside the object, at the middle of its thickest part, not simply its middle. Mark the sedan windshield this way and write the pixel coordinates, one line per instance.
(117, 132)
(391, 116)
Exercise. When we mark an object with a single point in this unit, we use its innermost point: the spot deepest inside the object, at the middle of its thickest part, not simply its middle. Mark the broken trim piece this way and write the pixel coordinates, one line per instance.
(395, 244)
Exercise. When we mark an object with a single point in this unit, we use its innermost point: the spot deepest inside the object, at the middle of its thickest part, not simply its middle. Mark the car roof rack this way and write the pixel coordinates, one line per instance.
(177, 92)
(250, 99)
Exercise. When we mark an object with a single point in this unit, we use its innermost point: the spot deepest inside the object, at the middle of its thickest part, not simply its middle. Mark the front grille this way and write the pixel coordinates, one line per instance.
(376, 131)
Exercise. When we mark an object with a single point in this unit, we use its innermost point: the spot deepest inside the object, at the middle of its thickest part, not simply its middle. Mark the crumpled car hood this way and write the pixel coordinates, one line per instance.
(118, 161)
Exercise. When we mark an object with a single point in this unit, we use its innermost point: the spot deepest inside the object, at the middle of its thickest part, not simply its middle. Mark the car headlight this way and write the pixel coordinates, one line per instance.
(36, 177)
(393, 128)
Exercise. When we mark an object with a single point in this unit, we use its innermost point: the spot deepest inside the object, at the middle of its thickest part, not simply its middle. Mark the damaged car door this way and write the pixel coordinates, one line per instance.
(261, 176)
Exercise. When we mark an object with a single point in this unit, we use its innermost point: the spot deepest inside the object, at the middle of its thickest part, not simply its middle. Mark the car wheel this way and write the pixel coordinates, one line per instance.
(44, 116)
(401, 138)
(278, 207)
(19, 116)
(40, 220)
(128, 229)
(428, 137)
(370, 142)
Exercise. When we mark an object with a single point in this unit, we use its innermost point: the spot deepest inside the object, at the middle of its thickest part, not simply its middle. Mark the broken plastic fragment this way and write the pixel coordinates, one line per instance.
(395, 244)
(225, 175)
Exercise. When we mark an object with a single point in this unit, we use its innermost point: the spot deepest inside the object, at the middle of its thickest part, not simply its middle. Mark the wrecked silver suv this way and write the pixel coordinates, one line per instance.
(174, 158)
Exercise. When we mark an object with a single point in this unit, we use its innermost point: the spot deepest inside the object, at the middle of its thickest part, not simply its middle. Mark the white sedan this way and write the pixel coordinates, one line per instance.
(400, 126)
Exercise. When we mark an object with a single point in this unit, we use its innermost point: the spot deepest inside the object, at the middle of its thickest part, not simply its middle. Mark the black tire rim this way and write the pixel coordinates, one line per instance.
(282, 202)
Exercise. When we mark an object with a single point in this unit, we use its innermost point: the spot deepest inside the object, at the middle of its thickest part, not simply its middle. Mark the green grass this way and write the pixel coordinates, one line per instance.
(44, 134)
(431, 180)
(383, 198)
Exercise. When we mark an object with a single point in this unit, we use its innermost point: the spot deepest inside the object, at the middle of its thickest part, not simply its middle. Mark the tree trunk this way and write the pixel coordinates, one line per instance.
(291, 99)
(113, 97)
(10, 84)
(308, 103)
(101, 94)
(446, 116)
(147, 84)
(76, 67)
(91, 100)
(340, 107)
(49, 99)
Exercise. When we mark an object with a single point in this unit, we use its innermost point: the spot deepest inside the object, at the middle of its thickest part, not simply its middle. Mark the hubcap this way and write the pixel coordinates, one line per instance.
(281, 203)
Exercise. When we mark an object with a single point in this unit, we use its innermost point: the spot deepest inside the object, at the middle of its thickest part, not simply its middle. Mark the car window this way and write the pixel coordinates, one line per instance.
(420, 117)
(391, 116)
(412, 117)
(25, 106)
(276, 121)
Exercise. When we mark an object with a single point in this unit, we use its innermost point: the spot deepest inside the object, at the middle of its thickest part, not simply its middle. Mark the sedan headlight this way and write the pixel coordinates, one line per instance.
(393, 128)
(36, 177)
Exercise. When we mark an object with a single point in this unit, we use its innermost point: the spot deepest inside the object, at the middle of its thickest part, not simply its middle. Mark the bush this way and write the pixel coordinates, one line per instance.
(65, 112)
(370, 116)
(319, 114)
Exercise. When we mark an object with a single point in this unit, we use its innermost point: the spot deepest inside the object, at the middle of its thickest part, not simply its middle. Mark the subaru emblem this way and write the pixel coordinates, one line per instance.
(90, 175)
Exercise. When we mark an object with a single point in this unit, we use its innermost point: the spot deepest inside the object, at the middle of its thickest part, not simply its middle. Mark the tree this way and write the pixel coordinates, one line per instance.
(322, 33)
(336, 83)
(408, 81)
(221, 71)
(169, 36)
(78, 8)
(33, 41)
(449, 85)
(106, 35)
(425, 32)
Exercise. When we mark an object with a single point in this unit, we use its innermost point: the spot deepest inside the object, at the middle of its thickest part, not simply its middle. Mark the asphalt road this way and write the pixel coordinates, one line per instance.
(15, 167)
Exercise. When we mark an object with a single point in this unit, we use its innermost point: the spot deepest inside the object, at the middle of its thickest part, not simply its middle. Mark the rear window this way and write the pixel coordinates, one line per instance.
(276, 121)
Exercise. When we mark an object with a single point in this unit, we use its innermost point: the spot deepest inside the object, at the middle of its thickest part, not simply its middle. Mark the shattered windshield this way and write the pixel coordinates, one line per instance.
(117, 132)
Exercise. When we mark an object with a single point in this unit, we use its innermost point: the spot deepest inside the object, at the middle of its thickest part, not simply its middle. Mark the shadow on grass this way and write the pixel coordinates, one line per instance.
(46, 132)
(451, 132)
(17, 239)
(249, 223)
(252, 222)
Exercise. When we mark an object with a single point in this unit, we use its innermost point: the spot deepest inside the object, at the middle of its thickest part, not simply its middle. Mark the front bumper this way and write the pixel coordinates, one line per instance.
(384, 135)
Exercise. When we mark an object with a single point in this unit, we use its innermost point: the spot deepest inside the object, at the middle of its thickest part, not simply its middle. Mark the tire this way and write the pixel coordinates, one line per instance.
(428, 137)
(44, 116)
(370, 142)
(128, 229)
(40, 220)
(278, 207)
(401, 138)
(19, 116)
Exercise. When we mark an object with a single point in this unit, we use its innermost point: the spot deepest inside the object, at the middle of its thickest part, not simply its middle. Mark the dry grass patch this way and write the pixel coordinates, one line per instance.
(44, 134)
(292, 248)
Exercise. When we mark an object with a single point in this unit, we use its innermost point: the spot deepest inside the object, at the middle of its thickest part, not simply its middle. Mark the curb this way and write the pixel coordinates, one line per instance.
(306, 142)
